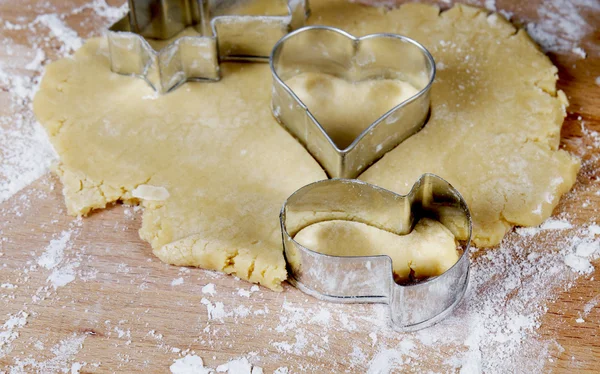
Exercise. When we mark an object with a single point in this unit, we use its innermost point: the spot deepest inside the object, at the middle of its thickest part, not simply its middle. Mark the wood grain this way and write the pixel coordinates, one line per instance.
(132, 318)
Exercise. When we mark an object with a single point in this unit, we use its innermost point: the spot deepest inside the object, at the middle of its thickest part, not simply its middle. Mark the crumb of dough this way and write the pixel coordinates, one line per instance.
(345, 108)
(427, 251)
(228, 166)
(148, 192)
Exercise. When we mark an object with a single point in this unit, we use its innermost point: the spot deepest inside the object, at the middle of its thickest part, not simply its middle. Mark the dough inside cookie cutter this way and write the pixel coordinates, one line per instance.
(328, 50)
(369, 279)
(220, 30)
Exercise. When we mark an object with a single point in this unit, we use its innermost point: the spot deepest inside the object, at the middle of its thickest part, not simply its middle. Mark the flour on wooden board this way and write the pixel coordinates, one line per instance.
(492, 329)
(562, 25)
(26, 151)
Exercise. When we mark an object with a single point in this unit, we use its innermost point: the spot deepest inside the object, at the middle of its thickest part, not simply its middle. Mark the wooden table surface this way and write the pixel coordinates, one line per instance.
(125, 311)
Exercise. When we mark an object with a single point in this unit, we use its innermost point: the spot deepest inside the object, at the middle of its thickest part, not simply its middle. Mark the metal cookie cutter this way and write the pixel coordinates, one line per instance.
(221, 30)
(370, 279)
(333, 51)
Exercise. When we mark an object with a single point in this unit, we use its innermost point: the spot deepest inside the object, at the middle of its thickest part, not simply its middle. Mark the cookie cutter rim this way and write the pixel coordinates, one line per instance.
(461, 266)
(151, 70)
(343, 153)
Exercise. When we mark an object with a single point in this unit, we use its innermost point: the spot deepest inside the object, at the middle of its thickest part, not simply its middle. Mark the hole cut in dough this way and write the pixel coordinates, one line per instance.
(344, 108)
(427, 251)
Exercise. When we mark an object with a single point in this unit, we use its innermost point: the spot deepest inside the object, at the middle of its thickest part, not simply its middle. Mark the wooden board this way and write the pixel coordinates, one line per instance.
(125, 311)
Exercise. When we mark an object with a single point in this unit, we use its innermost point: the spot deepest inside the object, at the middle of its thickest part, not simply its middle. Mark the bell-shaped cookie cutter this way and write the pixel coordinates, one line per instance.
(333, 51)
(370, 279)
(224, 30)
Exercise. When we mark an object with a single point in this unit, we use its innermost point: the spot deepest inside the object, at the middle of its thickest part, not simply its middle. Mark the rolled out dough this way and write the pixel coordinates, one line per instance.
(429, 250)
(228, 166)
(344, 108)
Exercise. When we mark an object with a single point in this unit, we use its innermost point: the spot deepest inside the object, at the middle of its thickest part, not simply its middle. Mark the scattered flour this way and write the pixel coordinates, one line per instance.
(245, 293)
(209, 289)
(193, 364)
(549, 224)
(490, 5)
(578, 264)
(215, 311)
(54, 252)
(64, 275)
(177, 281)
(555, 224)
(388, 359)
(26, 152)
(64, 271)
(76, 367)
(562, 25)
(8, 333)
(190, 364)
(67, 37)
(239, 366)
(63, 353)
(585, 247)
(494, 328)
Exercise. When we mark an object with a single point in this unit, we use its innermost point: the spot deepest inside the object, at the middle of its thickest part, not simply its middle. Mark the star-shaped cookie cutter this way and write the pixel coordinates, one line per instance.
(209, 31)
(370, 279)
(333, 51)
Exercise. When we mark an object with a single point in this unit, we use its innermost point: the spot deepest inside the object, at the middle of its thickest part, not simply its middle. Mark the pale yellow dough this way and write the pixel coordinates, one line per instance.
(344, 108)
(228, 166)
(429, 250)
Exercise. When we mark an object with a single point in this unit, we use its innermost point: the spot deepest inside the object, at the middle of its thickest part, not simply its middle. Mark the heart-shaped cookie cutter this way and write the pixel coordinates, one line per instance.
(333, 51)
(370, 279)
(225, 30)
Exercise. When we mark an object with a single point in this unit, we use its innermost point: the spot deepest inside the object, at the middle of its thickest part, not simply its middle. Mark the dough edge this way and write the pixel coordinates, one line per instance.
(83, 195)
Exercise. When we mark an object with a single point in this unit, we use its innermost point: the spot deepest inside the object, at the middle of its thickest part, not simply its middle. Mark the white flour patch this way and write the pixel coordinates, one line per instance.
(67, 37)
(247, 293)
(102, 9)
(494, 329)
(63, 353)
(64, 275)
(64, 269)
(190, 364)
(54, 252)
(562, 25)
(193, 364)
(26, 153)
(238, 366)
(8, 333)
(388, 359)
(215, 311)
(490, 5)
(549, 224)
(209, 289)
(177, 281)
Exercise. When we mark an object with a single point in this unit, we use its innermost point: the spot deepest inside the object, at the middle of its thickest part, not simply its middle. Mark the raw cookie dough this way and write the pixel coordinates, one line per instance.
(212, 151)
(344, 108)
(228, 166)
(429, 250)
(495, 119)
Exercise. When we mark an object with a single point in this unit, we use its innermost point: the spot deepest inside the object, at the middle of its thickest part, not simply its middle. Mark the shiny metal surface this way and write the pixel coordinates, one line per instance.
(369, 279)
(218, 30)
(329, 50)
